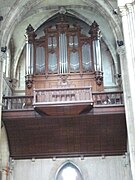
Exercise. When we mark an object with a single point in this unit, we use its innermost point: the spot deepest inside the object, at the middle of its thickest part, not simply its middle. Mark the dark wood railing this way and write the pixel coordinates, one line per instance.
(108, 98)
(61, 96)
(17, 102)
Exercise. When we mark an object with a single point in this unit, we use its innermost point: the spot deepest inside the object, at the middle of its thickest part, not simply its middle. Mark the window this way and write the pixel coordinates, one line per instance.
(69, 172)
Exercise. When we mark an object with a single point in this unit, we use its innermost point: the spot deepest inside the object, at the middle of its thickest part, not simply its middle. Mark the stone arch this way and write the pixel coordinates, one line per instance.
(68, 170)
(81, 17)
(16, 15)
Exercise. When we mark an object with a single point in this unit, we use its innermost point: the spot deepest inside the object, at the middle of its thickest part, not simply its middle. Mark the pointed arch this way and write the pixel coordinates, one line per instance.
(67, 171)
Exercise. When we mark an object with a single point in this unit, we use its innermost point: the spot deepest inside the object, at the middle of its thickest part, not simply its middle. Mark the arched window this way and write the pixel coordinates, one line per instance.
(69, 172)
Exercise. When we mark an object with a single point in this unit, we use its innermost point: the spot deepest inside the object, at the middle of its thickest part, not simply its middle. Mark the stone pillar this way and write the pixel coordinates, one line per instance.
(129, 108)
(11, 171)
(1, 19)
(2, 58)
(1, 80)
(4, 175)
(128, 22)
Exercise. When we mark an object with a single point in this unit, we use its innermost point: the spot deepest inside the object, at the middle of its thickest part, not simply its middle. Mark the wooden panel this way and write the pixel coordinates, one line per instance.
(67, 136)
(72, 80)
(71, 109)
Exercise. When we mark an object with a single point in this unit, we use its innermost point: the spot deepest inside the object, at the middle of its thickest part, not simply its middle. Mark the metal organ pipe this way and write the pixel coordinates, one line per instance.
(63, 53)
(96, 36)
(98, 55)
(94, 55)
(29, 58)
(60, 53)
(30, 36)
(63, 50)
(66, 56)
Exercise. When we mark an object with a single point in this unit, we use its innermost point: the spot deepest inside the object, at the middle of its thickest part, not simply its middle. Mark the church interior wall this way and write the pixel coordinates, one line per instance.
(94, 168)
(36, 12)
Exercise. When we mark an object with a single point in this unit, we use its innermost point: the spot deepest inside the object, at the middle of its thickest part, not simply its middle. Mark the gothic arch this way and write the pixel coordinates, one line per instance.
(68, 170)
(17, 14)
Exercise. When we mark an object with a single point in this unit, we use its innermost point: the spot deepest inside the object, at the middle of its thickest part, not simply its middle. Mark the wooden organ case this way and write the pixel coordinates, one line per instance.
(63, 57)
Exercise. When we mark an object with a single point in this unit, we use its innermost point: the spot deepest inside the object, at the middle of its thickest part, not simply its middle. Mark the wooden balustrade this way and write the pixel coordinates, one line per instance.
(17, 102)
(61, 96)
(108, 98)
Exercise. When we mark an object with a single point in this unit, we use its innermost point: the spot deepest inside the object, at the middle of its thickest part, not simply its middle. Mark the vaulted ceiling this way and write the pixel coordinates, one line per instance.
(18, 14)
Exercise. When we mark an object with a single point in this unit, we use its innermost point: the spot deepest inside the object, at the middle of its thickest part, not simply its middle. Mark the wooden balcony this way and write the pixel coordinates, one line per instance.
(63, 101)
(66, 101)
(101, 130)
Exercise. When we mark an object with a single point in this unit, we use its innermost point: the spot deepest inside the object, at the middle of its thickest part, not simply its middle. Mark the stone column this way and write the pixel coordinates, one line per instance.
(4, 175)
(128, 22)
(11, 171)
(2, 58)
(129, 108)
(1, 19)
(1, 80)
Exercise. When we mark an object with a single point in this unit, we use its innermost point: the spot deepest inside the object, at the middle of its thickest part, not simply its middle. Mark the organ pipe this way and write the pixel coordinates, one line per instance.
(63, 53)
(30, 36)
(96, 37)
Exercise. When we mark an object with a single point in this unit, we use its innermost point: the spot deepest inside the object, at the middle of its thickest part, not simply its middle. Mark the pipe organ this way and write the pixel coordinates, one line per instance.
(63, 56)
(65, 111)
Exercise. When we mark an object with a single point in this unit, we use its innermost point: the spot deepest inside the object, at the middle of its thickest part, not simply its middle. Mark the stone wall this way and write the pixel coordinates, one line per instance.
(91, 168)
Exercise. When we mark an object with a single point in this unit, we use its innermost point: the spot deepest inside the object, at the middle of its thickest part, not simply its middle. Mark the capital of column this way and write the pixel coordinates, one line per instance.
(129, 7)
(121, 50)
(123, 10)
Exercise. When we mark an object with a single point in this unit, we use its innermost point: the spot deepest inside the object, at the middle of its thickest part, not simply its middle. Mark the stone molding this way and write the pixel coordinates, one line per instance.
(128, 8)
